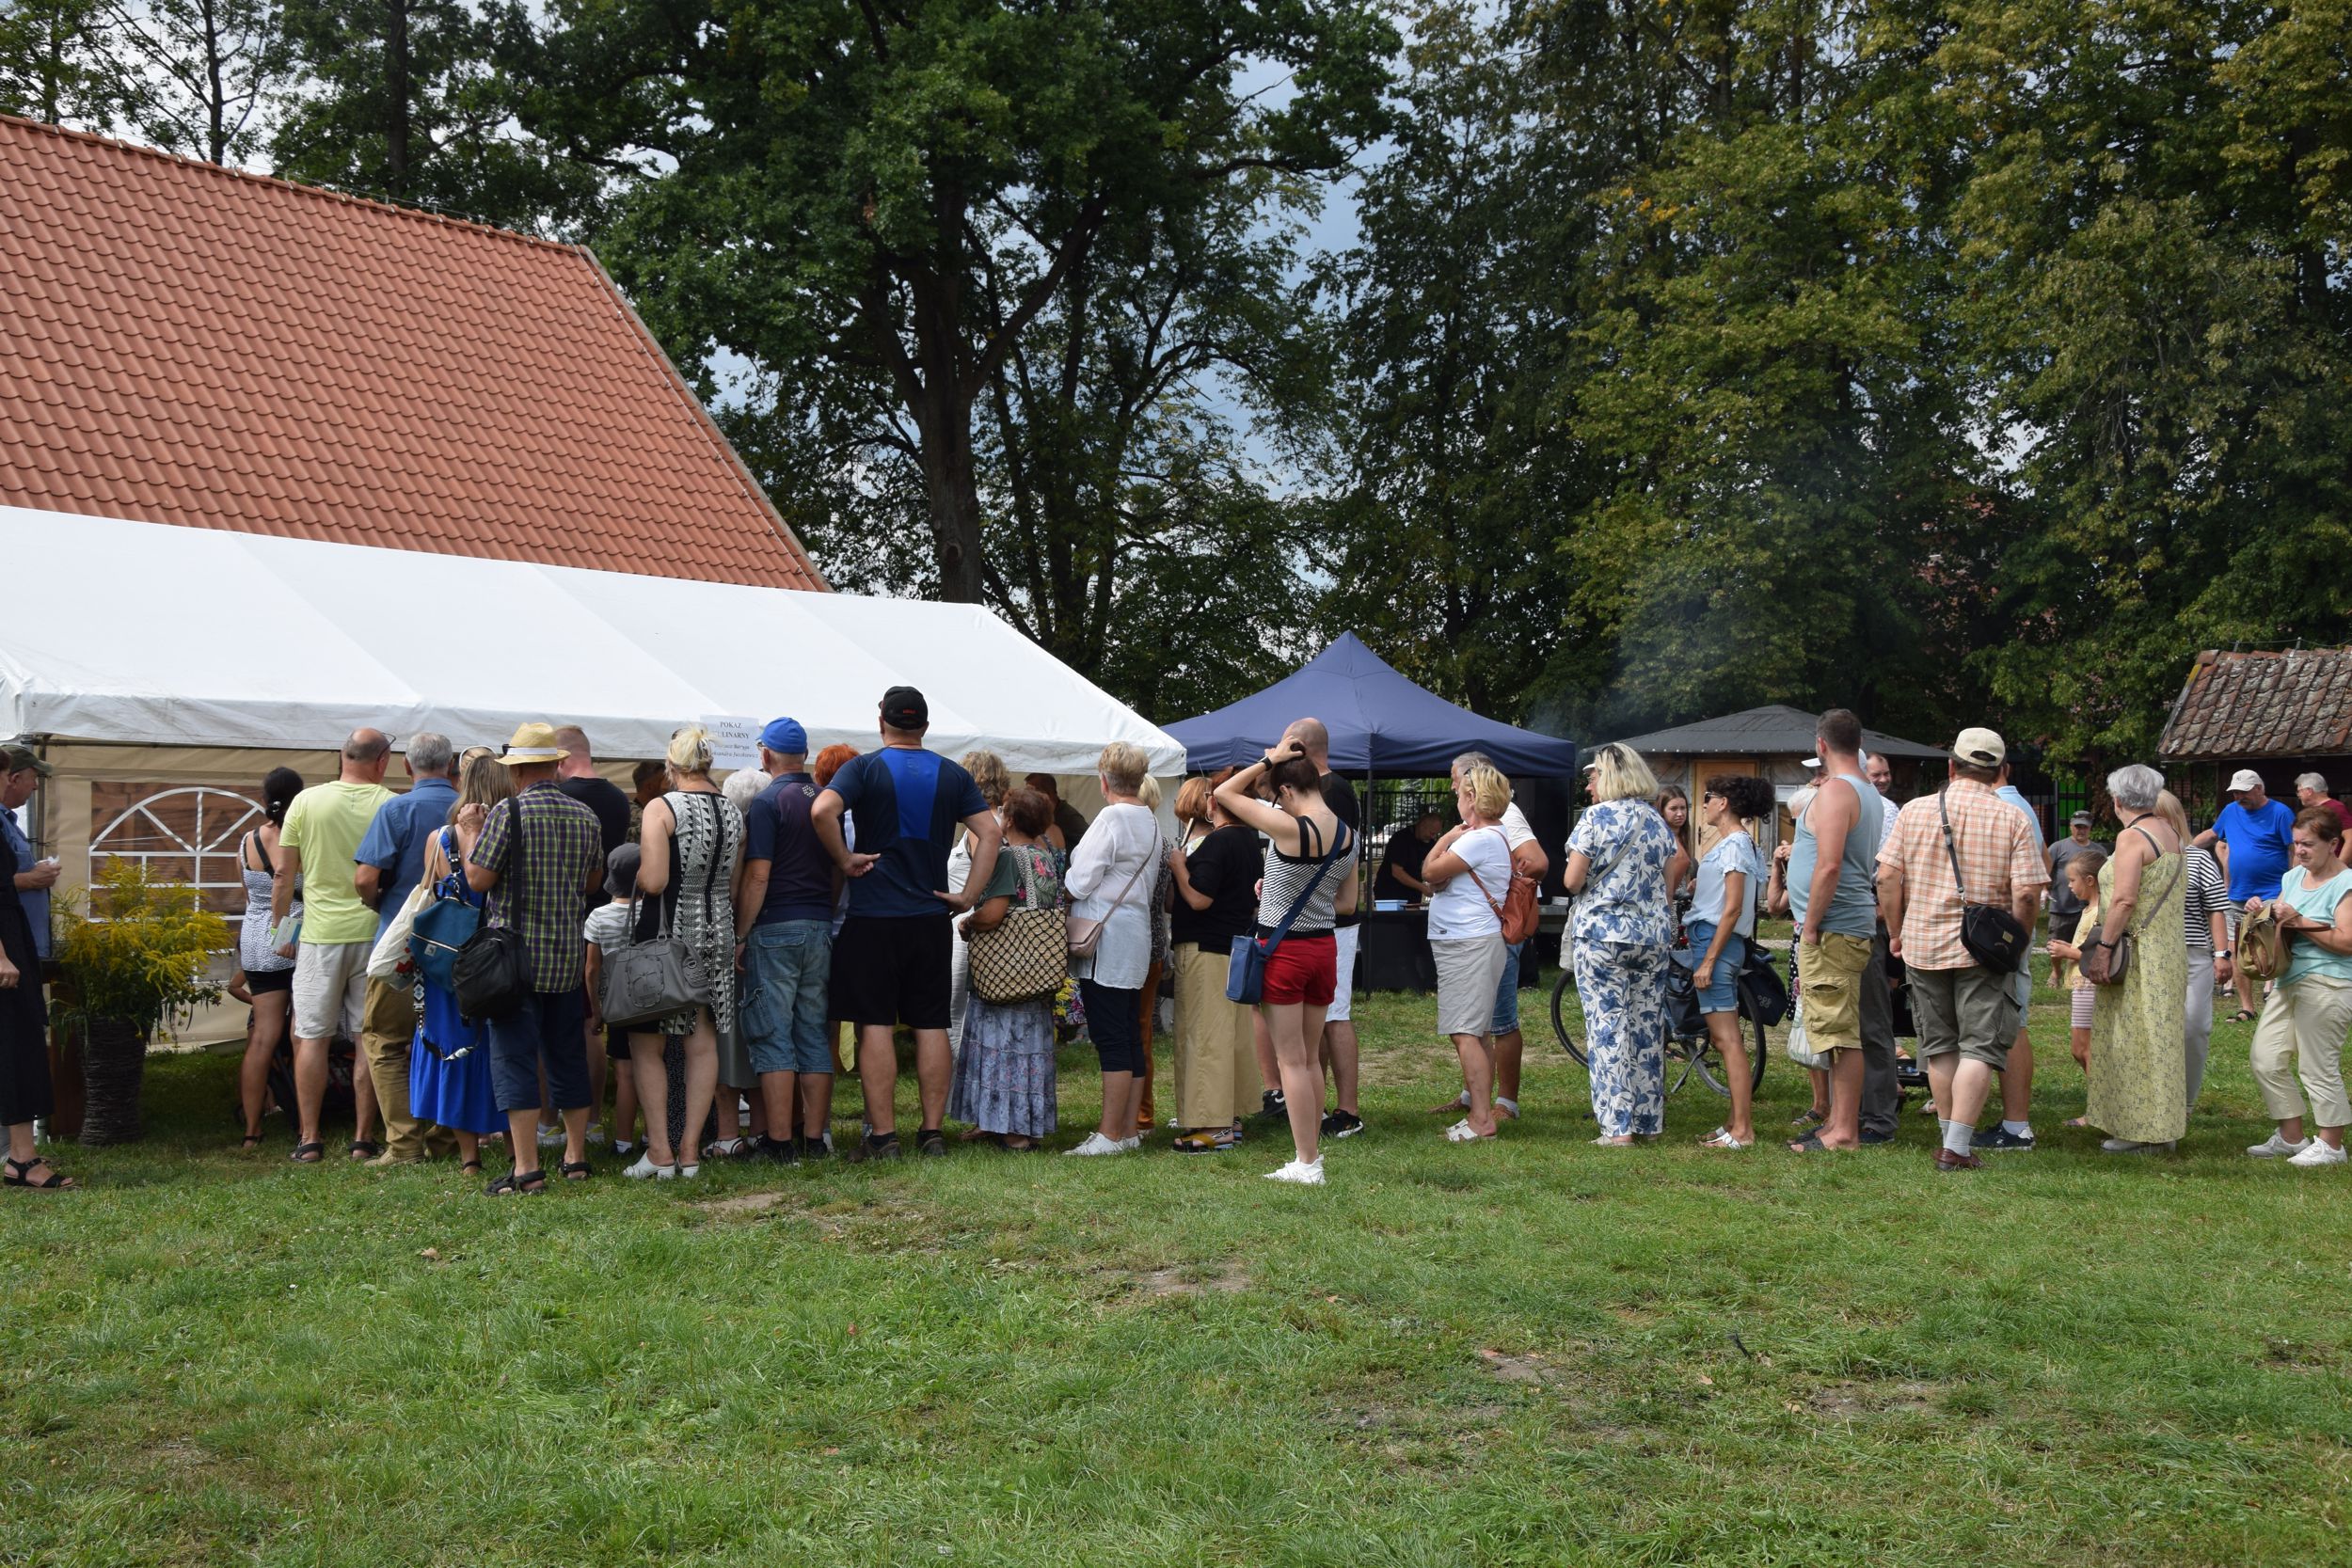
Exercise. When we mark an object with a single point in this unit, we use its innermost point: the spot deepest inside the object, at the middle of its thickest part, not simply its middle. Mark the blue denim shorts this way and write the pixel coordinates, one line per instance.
(1722, 996)
(1508, 993)
(787, 970)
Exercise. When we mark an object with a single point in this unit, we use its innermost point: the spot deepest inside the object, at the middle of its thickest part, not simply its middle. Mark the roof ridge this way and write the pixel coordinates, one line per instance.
(328, 193)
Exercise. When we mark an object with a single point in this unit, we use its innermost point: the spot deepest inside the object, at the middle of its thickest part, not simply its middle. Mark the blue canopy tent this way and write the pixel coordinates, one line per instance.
(1381, 723)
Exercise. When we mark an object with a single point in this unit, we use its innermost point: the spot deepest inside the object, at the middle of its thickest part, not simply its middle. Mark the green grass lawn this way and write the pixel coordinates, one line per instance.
(1531, 1352)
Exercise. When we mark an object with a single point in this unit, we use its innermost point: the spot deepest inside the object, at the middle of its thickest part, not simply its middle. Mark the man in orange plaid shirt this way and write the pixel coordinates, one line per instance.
(1967, 1014)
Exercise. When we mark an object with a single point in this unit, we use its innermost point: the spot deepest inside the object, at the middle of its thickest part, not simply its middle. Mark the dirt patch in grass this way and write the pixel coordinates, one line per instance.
(1162, 1284)
(1532, 1366)
(1847, 1400)
(746, 1203)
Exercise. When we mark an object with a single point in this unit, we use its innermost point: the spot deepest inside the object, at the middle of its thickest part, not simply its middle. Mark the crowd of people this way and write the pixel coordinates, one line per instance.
(704, 947)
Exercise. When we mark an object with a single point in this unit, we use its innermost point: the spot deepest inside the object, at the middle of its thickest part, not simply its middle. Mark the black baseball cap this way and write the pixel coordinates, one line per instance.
(903, 709)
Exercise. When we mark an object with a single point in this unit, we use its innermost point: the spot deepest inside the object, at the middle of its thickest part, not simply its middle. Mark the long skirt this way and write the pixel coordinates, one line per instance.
(1004, 1073)
(1622, 988)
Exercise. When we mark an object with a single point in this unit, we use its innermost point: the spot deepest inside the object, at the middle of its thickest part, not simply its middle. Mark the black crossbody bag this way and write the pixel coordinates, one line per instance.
(491, 975)
(1992, 935)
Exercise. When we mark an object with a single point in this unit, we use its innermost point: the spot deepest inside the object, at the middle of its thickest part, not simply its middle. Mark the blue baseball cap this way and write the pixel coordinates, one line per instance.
(785, 738)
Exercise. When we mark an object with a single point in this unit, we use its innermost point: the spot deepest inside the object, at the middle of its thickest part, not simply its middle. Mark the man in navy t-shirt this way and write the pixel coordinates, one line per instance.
(892, 957)
(785, 912)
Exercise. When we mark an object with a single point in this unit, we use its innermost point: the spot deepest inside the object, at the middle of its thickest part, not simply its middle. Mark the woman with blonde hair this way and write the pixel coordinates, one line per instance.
(449, 1071)
(1112, 875)
(1619, 855)
(690, 862)
(1469, 872)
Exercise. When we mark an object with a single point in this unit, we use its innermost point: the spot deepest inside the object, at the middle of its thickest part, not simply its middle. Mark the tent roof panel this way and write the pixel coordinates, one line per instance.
(130, 643)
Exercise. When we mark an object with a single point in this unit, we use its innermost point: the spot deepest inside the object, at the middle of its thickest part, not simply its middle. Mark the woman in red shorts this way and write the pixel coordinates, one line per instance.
(1302, 971)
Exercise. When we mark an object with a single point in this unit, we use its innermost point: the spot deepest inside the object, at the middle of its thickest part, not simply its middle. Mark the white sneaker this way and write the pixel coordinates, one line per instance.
(595, 1132)
(1128, 1146)
(1303, 1172)
(2276, 1147)
(687, 1173)
(2320, 1152)
(550, 1137)
(1097, 1144)
(645, 1170)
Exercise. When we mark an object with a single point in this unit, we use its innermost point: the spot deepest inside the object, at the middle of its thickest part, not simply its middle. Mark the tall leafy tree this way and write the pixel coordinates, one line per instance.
(54, 65)
(416, 101)
(990, 247)
(2157, 312)
(199, 76)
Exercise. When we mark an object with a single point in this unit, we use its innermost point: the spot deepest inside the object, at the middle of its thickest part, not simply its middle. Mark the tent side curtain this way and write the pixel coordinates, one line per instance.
(150, 634)
(1381, 723)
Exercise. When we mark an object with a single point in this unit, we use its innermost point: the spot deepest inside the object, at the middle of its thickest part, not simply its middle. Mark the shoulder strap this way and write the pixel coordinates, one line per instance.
(1483, 891)
(718, 848)
(1158, 853)
(1298, 905)
(262, 850)
(1958, 880)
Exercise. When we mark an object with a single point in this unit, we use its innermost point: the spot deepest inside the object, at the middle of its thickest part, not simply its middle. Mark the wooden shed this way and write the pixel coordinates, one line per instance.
(1773, 741)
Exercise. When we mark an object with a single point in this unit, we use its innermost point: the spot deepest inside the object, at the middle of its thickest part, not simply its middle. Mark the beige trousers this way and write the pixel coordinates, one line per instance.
(2301, 1035)
(1216, 1065)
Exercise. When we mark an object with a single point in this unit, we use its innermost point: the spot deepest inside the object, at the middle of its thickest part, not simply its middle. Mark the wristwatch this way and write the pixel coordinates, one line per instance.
(2223, 954)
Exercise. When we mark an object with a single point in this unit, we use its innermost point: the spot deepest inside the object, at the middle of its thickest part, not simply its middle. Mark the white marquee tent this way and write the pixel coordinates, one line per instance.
(152, 635)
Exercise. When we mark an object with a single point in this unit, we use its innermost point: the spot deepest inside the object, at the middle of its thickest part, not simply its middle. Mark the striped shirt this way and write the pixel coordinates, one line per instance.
(1996, 844)
(2207, 891)
(1286, 878)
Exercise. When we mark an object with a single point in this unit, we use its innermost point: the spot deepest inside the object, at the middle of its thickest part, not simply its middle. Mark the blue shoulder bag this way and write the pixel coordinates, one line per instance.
(442, 928)
(1245, 971)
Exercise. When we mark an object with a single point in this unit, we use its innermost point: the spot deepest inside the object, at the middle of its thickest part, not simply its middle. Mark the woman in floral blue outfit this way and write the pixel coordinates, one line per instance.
(1620, 857)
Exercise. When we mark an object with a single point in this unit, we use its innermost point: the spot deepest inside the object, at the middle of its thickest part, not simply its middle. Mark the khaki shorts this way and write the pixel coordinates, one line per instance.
(1973, 1011)
(331, 989)
(1831, 976)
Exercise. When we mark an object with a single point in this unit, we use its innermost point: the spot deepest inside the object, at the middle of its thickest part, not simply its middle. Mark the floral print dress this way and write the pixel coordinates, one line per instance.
(1623, 925)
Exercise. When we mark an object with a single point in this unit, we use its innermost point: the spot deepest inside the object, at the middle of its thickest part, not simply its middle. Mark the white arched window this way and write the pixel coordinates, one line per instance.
(188, 834)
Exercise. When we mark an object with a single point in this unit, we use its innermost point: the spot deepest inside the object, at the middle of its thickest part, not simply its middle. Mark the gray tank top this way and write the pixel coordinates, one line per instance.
(1853, 908)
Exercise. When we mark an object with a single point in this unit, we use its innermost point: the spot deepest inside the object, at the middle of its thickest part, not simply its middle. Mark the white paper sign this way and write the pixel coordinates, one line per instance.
(734, 743)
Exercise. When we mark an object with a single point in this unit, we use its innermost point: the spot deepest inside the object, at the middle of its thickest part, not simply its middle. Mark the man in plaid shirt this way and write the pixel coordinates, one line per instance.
(563, 858)
(1967, 1014)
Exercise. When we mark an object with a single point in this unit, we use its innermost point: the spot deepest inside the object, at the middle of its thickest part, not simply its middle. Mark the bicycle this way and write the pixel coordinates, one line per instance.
(1689, 1047)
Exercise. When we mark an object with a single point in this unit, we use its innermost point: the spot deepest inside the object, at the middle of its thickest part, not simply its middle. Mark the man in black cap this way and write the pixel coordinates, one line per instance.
(893, 959)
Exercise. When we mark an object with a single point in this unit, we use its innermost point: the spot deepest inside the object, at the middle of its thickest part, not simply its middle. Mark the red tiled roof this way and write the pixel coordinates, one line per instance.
(180, 343)
(2246, 705)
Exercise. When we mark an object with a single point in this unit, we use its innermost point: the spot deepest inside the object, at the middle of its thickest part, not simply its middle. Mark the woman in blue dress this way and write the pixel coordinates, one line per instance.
(449, 1069)
(1621, 858)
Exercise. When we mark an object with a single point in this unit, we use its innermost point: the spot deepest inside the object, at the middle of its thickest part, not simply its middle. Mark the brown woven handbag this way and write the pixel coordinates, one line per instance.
(1025, 955)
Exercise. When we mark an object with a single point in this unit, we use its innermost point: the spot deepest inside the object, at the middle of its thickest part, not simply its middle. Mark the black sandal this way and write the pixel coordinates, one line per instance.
(19, 1174)
(365, 1148)
(523, 1183)
(252, 1141)
(308, 1154)
(576, 1170)
(469, 1167)
(1810, 1144)
(2243, 1016)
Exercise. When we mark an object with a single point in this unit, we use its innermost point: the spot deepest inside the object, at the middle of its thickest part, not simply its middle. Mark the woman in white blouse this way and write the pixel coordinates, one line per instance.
(1113, 873)
(1470, 873)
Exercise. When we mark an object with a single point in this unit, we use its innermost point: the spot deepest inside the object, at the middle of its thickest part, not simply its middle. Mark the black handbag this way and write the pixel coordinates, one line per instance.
(1992, 935)
(491, 973)
(1763, 995)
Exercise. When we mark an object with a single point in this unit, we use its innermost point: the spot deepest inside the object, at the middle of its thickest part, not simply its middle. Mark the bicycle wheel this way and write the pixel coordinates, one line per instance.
(1562, 994)
(1710, 1064)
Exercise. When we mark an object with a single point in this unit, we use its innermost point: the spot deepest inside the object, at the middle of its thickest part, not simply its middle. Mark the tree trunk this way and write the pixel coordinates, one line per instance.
(114, 1067)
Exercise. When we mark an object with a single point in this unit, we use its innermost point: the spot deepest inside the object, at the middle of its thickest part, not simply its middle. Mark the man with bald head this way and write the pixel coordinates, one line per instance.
(319, 843)
(1346, 1119)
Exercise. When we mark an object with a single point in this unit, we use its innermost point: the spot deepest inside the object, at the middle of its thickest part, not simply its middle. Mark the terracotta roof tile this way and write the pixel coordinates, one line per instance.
(2244, 705)
(180, 343)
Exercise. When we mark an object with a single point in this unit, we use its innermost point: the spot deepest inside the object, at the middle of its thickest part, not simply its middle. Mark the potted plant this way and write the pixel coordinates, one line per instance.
(137, 958)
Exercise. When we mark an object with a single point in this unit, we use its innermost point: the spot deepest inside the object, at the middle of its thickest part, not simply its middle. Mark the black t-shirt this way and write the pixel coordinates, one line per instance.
(1407, 852)
(1340, 797)
(1226, 866)
(604, 798)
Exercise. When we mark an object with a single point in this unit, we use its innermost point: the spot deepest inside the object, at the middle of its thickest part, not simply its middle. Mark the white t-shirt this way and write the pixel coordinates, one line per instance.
(1734, 851)
(1514, 828)
(1458, 909)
